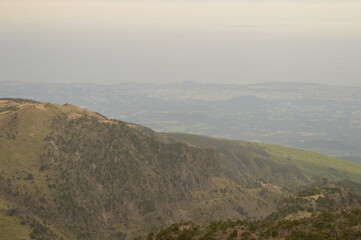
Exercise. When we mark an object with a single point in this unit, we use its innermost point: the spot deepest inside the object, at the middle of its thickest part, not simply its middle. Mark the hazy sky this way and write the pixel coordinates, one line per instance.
(176, 40)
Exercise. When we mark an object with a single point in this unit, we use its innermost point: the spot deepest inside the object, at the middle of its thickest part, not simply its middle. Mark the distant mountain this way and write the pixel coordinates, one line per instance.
(67, 173)
(320, 118)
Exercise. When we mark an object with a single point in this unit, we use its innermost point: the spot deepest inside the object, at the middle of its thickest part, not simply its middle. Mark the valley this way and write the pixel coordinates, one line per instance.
(315, 117)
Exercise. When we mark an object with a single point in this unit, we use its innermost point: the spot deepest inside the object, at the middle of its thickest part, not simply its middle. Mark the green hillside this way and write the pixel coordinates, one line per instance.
(245, 162)
(67, 173)
(93, 178)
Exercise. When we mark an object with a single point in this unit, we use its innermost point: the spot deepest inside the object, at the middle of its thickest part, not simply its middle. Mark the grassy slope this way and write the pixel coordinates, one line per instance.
(10, 226)
(23, 127)
(246, 161)
(317, 164)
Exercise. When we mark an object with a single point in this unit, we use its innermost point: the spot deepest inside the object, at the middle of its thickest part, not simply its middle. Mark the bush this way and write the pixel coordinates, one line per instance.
(12, 212)
(233, 235)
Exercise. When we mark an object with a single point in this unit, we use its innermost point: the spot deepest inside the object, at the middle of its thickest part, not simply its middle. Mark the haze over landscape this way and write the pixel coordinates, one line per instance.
(180, 120)
(241, 41)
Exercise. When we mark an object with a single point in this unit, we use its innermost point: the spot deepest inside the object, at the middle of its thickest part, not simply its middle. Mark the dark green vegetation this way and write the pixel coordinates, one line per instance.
(67, 173)
(318, 213)
(340, 224)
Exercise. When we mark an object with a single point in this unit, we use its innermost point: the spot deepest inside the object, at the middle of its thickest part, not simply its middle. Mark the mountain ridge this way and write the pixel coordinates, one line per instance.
(73, 174)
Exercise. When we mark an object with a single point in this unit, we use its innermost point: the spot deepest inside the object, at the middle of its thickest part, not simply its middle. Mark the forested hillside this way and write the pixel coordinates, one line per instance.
(67, 173)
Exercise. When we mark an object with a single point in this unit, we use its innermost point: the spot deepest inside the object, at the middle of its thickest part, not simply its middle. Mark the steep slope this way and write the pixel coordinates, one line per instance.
(84, 173)
(67, 173)
(246, 162)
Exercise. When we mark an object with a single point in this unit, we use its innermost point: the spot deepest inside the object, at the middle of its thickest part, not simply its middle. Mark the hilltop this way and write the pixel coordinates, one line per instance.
(85, 173)
(68, 173)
